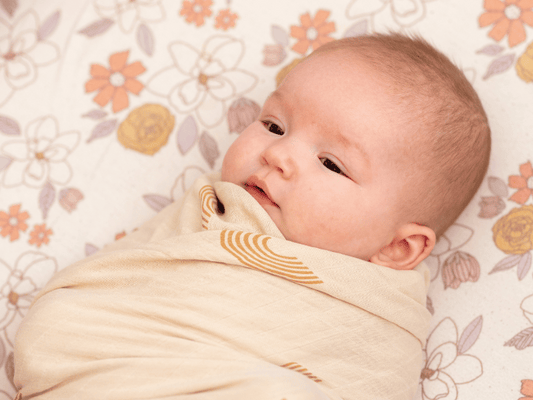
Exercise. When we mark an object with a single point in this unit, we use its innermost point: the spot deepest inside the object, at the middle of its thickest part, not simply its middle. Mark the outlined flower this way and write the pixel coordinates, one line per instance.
(40, 235)
(203, 80)
(225, 19)
(522, 182)
(527, 308)
(13, 222)
(115, 82)
(313, 32)
(513, 233)
(21, 53)
(405, 13)
(32, 270)
(146, 129)
(508, 17)
(445, 366)
(196, 10)
(128, 13)
(41, 157)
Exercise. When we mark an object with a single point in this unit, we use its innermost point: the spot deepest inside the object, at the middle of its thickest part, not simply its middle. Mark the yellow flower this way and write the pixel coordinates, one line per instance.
(146, 129)
(524, 65)
(513, 233)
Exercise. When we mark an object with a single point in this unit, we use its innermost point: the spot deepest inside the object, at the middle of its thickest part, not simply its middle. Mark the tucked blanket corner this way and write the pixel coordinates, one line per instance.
(209, 301)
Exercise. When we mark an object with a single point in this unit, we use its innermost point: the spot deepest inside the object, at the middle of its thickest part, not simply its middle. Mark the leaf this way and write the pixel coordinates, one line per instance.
(501, 64)
(145, 39)
(524, 265)
(95, 114)
(507, 263)
(9, 126)
(9, 6)
(491, 50)
(187, 134)
(156, 202)
(429, 305)
(48, 26)
(279, 35)
(4, 162)
(10, 368)
(470, 335)
(357, 29)
(97, 27)
(90, 249)
(103, 129)
(498, 187)
(522, 340)
(46, 198)
(209, 148)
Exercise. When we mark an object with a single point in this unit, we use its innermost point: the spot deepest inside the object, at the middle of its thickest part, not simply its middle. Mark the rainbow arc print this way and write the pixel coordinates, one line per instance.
(252, 251)
(209, 204)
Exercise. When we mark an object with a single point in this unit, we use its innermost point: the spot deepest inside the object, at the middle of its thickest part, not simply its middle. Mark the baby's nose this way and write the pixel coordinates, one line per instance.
(282, 156)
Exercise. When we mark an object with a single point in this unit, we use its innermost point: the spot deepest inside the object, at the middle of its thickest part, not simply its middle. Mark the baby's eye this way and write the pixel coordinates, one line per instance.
(331, 165)
(272, 127)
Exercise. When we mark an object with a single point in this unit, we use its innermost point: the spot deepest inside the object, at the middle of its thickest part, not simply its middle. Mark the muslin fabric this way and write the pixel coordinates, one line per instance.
(209, 301)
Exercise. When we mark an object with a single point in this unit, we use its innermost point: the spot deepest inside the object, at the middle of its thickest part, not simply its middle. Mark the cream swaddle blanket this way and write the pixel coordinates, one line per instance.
(209, 301)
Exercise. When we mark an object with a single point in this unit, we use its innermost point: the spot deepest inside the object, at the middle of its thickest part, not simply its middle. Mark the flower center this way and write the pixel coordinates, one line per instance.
(10, 55)
(13, 298)
(39, 156)
(117, 79)
(203, 78)
(512, 11)
(13, 221)
(197, 8)
(427, 373)
(312, 34)
(530, 182)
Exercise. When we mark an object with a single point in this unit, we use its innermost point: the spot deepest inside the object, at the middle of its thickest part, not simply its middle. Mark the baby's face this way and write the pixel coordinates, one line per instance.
(319, 159)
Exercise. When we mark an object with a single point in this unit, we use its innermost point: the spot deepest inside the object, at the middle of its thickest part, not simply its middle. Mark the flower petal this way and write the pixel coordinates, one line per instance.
(27, 22)
(120, 99)
(118, 61)
(134, 69)
(21, 71)
(517, 182)
(164, 81)
(44, 53)
(242, 81)
(104, 96)
(99, 71)
(407, 12)
(128, 18)
(68, 139)
(527, 17)
(445, 331)
(525, 4)
(6, 314)
(442, 388)
(320, 18)
(521, 196)
(326, 29)
(211, 112)
(187, 96)
(24, 42)
(301, 46)
(95, 84)
(526, 170)
(133, 86)
(6, 90)
(442, 356)
(361, 8)
(500, 29)
(305, 20)
(494, 5)
(36, 266)
(44, 128)
(60, 173)
(185, 57)
(14, 174)
(17, 150)
(226, 50)
(489, 18)
(151, 12)
(464, 369)
(517, 33)
(36, 173)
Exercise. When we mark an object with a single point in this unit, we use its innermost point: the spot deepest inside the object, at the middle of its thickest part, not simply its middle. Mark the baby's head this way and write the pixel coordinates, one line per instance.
(370, 147)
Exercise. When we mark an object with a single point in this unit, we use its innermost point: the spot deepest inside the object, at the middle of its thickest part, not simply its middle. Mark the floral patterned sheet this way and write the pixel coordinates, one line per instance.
(109, 109)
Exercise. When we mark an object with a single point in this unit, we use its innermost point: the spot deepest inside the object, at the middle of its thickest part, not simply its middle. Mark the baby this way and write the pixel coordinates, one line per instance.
(382, 131)
(297, 272)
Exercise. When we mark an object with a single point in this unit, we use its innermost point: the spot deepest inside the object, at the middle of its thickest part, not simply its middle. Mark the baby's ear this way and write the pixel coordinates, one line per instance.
(410, 246)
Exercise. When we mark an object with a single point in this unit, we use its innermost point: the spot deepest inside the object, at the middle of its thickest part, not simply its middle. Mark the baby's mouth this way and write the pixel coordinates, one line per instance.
(258, 193)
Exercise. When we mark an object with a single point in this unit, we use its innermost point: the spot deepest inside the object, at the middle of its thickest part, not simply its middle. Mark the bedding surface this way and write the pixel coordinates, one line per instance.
(207, 300)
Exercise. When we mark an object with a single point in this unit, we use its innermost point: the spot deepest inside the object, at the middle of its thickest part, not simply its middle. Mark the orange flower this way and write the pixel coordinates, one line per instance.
(313, 32)
(13, 222)
(40, 235)
(527, 389)
(225, 19)
(524, 183)
(196, 10)
(115, 82)
(508, 17)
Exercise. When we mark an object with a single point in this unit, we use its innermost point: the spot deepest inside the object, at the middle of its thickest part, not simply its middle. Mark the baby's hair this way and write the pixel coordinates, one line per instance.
(451, 149)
